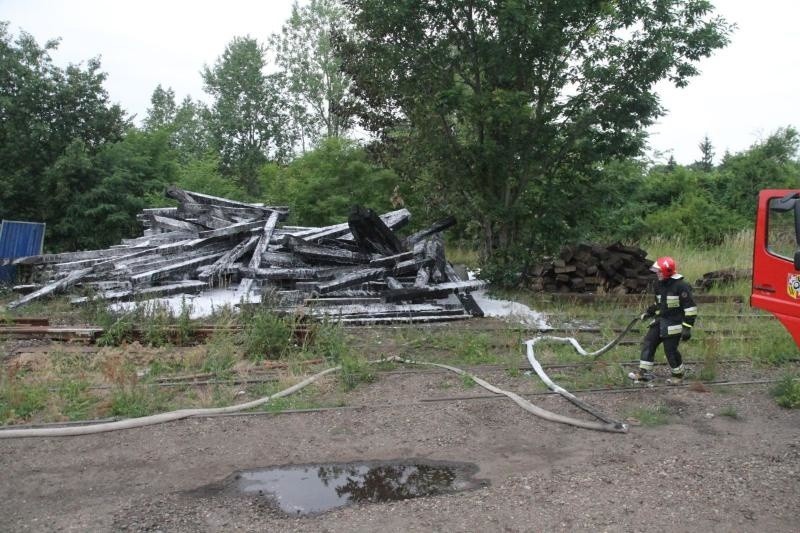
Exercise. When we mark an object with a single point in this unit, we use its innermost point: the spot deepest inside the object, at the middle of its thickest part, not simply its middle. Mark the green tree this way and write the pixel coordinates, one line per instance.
(162, 110)
(322, 184)
(44, 110)
(511, 106)
(247, 120)
(190, 132)
(317, 87)
(202, 175)
(706, 161)
(771, 163)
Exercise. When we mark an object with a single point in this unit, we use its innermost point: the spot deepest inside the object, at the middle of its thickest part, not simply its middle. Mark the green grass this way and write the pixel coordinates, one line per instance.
(467, 381)
(303, 399)
(787, 392)
(354, 371)
(657, 415)
(77, 400)
(138, 400)
(730, 412)
(20, 401)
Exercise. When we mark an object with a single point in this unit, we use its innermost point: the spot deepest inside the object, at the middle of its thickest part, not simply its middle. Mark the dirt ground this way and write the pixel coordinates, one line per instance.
(702, 471)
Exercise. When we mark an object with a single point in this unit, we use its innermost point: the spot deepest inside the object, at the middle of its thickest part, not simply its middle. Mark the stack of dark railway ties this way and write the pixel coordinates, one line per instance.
(589, 267)
(358, 271)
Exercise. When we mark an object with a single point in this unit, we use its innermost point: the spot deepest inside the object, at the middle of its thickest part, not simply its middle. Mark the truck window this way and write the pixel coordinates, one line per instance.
(780, 231)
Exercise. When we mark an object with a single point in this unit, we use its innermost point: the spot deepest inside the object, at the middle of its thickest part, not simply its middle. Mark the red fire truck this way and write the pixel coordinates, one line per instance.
(776, 257)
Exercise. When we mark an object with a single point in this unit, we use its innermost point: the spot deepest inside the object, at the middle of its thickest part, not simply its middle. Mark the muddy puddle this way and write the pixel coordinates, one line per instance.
(304, 490)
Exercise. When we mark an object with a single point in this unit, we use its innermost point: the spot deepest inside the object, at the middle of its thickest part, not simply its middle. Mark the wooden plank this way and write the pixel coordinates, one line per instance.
(173, 224)
(228, 258)
(349, 280)
(263, 241)
(371, 234)
(411, 267)
(444, 317)
(393, 220)
(281, 273)
(233, 229)
(281, 259)
(61, 258)
(166, 271)
(181, 287)
(436, 227)
(199, 198)
(325, 253)
(432, 291)
(244, 290)
(52, 288)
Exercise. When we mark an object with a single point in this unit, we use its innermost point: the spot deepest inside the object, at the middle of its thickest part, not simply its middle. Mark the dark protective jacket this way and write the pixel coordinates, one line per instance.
(674, 308)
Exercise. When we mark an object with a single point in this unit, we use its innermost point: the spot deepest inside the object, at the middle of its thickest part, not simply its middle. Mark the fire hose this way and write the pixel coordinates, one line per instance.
(606, 425)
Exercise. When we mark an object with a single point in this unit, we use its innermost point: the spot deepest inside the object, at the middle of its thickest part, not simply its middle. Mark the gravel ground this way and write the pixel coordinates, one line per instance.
(701, 471)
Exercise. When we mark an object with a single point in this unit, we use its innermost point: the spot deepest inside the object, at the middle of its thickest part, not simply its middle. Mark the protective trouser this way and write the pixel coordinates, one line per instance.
(651, 341)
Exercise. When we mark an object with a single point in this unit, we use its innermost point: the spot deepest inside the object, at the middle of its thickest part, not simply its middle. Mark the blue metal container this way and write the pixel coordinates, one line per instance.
(19, 239)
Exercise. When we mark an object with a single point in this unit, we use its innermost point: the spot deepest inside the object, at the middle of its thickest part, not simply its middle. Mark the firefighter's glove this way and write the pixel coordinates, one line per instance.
(686, 334)
(650, 312)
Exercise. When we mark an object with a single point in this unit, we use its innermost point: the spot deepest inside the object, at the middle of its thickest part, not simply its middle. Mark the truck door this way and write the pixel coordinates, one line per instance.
(776, 258)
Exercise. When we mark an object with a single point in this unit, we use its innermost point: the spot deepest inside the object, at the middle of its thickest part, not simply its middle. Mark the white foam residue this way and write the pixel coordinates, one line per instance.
(507, 309)
(202, 305)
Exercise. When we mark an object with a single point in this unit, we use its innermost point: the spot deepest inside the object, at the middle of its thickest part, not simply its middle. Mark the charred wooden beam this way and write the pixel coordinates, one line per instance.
(228, 258)
(325, 253)
(199, 198)
(371, 233)
(233, 229)
(393, 283)
(119, 295)
(263, 241)
(63, 257)
(281, 273)
(432, 291)
(392, 260)
(328, 301)
(157, 239)
(411, 266)
(382, 310)
(173, 224)
(52, 288)
(470, 305)
(163, 272)
(436, 227)
(393, 219)
(444, 316)
(349, 280)
(282, 259)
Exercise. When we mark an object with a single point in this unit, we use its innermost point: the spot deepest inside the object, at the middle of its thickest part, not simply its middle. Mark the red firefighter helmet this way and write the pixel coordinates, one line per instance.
(665, 266)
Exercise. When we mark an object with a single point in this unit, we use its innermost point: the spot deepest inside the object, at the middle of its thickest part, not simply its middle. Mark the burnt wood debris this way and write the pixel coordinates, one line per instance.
(590, 267)
(359, 271)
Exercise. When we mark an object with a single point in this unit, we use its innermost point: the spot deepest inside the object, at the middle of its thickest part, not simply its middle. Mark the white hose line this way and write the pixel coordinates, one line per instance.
(522, 402)
(186, 413)
(156, 419)
(537, 367)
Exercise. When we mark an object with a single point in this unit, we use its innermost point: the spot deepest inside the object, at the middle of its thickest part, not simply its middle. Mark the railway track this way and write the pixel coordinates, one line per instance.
(427, 401)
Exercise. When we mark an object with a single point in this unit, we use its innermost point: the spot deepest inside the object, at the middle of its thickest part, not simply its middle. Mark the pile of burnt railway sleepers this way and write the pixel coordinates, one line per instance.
(590, 267)
(357, 271)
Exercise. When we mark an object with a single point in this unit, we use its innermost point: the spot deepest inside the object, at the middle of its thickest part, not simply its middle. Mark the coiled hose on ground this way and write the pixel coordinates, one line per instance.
(606, 425)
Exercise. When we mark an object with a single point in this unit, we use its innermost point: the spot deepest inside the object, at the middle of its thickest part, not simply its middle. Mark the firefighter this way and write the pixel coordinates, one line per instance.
(673, 315)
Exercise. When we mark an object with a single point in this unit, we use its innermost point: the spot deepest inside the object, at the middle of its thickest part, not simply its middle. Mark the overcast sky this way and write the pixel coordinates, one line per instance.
(744, 93)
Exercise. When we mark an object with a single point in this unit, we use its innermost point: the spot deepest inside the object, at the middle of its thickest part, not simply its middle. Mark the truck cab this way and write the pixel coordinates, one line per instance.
(776, 257)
